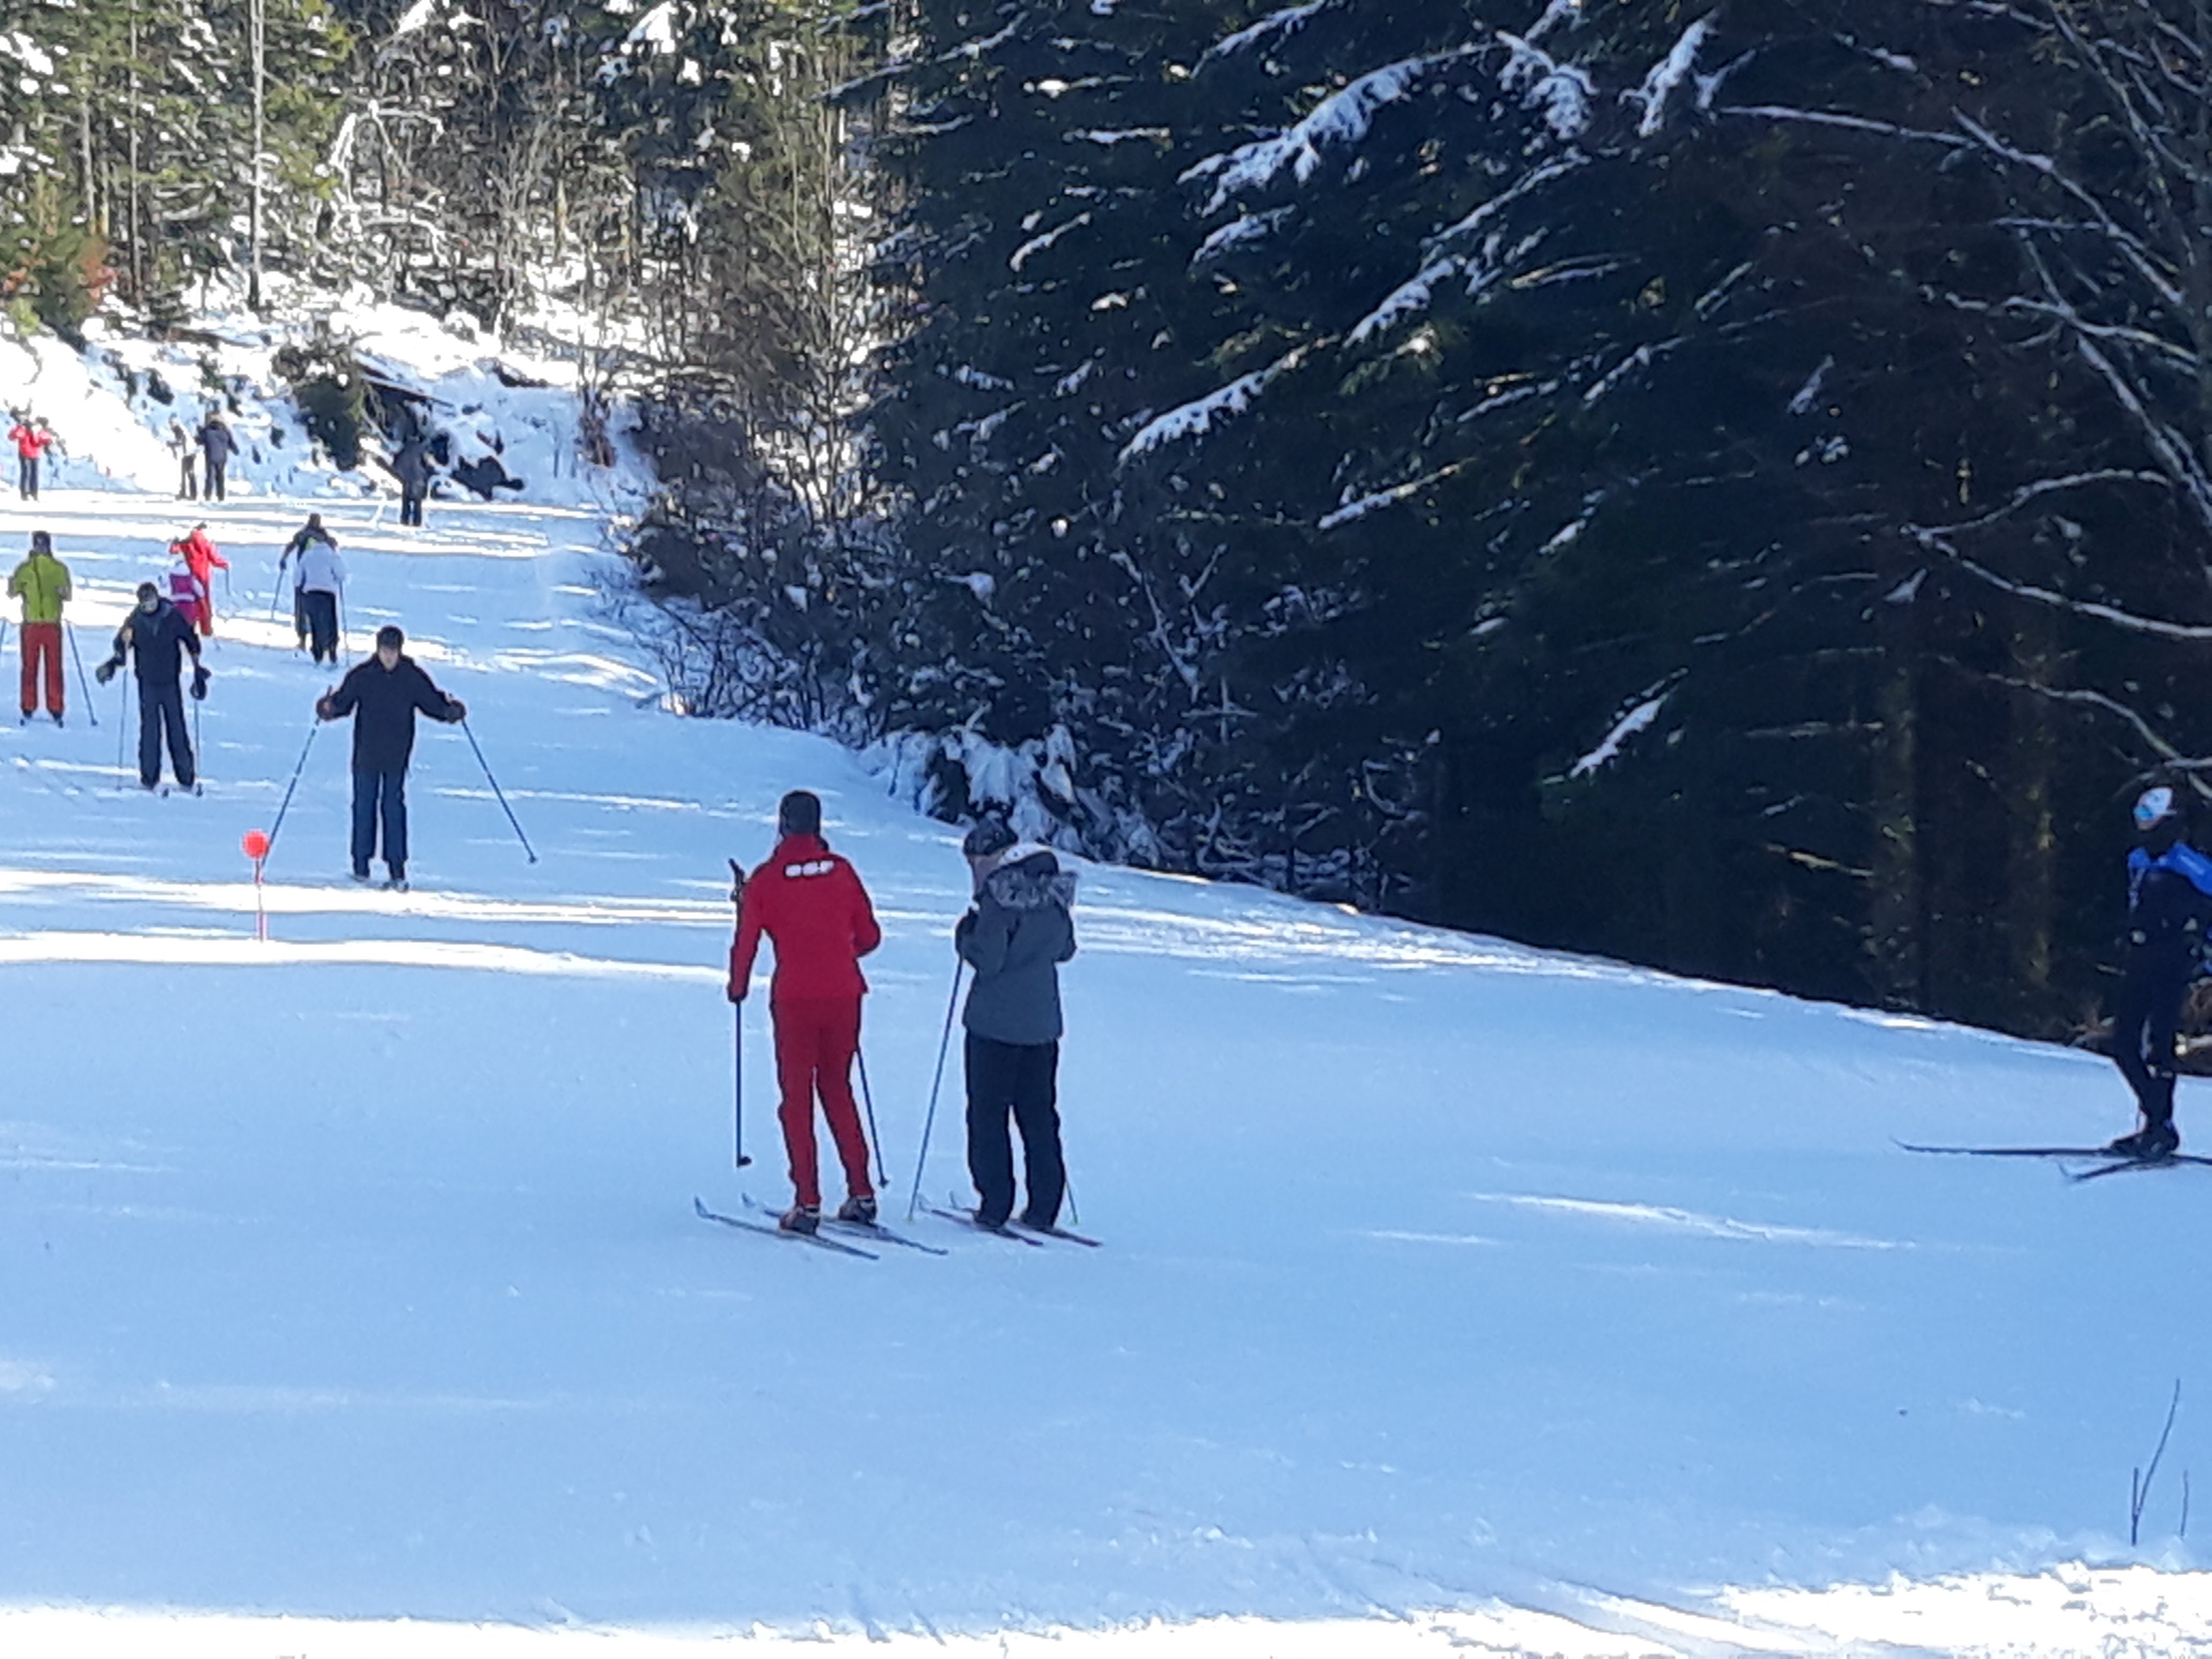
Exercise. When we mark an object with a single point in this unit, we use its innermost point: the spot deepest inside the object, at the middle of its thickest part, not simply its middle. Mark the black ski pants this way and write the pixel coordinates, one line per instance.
(162, 714)
(379, 793)
(410, 503)
(26, 476)
(214, 471)
(2146, 1013)
(1020, 1080)
(188, 478)
(319, 622)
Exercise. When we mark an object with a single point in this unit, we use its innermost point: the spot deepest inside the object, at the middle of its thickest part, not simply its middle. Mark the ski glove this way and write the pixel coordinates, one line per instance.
(199, 682)
(106, 672)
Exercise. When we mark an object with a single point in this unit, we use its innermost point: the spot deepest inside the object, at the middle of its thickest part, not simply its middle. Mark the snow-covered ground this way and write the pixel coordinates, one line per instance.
(1456, 1295)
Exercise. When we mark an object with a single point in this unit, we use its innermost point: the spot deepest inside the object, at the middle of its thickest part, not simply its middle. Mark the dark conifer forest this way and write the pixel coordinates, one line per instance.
(1722, 483)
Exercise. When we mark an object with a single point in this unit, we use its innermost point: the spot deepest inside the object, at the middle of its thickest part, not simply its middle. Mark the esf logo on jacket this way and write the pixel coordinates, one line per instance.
(811, 867)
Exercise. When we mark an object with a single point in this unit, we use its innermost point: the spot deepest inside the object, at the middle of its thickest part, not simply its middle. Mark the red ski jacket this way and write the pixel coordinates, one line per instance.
(30, 443)
(198, 552)
(811, 902)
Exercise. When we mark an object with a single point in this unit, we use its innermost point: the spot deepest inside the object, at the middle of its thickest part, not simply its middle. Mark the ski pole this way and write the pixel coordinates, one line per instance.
(738, 1073)
(738, 1019)
(868, 1099)
(83, 685)
(497, 790)
(929, 1120)
(299, 767)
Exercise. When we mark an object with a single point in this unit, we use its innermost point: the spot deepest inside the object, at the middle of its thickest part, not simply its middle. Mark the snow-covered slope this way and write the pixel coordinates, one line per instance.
(1454, 1294)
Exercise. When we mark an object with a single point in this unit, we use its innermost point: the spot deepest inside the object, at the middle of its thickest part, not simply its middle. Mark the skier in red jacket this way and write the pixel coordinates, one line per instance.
(32, 439)
(811, 902)
(198, 553)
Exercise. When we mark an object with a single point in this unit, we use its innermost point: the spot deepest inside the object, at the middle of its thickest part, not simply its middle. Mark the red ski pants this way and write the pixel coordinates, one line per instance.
(42, 640)
(816, 1039)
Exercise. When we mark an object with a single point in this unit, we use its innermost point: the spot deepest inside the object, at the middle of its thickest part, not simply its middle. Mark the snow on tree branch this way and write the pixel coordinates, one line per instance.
(1636, 719)
(1343, 118)
(1197, 418)
(1037, 245)
(1276, 26)
(1665, 76)
(1563, 91)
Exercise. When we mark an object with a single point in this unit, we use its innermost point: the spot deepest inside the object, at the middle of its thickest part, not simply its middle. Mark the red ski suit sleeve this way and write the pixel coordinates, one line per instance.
(811, 904)
(199, 553)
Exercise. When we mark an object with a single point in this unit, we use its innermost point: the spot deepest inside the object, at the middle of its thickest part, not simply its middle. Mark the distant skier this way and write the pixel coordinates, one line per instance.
(42, 582)
(188, 471)
(2169, 906)
(317, 586)
(384, 694)
(218, 444)
(411, 466)
(33, 438)
(1019, 930)
(810, 903)
(201, 558)
(158, 639)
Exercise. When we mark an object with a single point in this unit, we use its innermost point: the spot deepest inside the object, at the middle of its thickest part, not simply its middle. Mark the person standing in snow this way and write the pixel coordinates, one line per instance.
(188, 471)
(1019, 930)
(316, 588)
(810, 903)
(384, 694)
(218, 444)
(2169, 907)
(411, 466)
(184, 592)
(32, 438)
(203, 560)
(158, 639)
(42, 582)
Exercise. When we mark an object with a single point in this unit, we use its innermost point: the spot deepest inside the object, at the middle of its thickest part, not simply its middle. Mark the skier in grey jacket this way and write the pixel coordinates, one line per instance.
(1017, 933)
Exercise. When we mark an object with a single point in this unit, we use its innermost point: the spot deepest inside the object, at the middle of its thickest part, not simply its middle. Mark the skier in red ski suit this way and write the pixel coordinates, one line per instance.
(198, 552)
(810, 901)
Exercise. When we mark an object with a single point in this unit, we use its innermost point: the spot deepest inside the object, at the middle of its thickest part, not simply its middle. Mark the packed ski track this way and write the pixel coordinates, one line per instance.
(1452, 1295)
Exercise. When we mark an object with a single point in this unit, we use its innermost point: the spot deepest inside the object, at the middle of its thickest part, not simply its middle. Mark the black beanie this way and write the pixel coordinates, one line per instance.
(799, 813)
(988, 838)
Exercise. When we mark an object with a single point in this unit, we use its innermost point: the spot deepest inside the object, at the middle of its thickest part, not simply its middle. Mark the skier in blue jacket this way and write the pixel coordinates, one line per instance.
(2169, 907)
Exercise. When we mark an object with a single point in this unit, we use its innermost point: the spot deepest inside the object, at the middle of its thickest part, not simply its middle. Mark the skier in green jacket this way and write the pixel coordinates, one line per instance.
(42, 582)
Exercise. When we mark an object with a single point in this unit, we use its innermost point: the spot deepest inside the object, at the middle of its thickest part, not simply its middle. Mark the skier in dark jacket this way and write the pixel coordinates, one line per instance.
(411, 466)
(218, 445)
(157, 638)
(384, 694)
(2169, 906)
(1019, 931)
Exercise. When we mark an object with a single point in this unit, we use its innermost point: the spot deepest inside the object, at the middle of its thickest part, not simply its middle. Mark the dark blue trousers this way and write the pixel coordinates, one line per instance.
(1018, 1081)
(2146, 1012)
(379, 793)
(162, 713)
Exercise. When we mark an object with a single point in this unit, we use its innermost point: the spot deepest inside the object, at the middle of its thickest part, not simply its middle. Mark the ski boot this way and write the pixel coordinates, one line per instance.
(2154, 1141)
(860, 1210)
(801, 1218)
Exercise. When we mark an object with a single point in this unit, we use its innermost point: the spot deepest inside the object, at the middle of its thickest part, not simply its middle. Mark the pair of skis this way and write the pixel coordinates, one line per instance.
(821, 1240)
(836, 1236)
(1015, 1232)
(2104, 1160)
